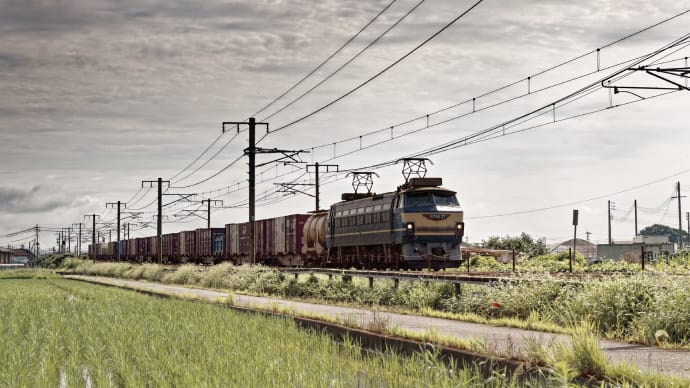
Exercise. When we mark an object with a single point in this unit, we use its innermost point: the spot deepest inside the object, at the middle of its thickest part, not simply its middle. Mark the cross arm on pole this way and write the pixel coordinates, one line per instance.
(237, 125)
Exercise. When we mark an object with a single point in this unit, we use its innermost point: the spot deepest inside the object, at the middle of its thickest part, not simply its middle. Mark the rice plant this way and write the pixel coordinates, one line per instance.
(63, 333)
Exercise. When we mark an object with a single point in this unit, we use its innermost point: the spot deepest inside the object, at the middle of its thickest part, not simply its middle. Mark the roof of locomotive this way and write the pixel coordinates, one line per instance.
(373, 199)
(427, 189)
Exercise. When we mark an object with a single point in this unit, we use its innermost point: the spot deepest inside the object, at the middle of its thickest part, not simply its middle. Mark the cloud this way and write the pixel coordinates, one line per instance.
(37, 199)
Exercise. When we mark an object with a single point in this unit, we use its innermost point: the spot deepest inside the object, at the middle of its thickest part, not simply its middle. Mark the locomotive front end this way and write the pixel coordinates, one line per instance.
(429, 225)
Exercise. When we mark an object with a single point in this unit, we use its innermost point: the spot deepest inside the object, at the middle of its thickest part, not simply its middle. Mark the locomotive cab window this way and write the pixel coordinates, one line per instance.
(431, 199)
(445, 199)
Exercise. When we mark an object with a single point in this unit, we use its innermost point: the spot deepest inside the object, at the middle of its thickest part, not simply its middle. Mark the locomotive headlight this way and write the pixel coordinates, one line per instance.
(410, 228)
(460, 229)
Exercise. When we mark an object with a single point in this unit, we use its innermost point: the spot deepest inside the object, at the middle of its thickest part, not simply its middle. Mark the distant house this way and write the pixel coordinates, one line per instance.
(586, 248)
(654, 246)
(22, 256)
(5, 255)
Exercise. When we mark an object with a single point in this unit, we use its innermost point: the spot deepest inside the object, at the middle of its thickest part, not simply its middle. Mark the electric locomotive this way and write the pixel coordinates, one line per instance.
(420, 225)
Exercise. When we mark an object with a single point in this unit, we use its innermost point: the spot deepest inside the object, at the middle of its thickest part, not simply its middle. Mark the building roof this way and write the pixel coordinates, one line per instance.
(22, 252)
(5, 250)
(581, 244)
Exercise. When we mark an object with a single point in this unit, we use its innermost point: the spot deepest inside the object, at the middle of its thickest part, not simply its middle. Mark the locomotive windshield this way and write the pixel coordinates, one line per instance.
(427, 198)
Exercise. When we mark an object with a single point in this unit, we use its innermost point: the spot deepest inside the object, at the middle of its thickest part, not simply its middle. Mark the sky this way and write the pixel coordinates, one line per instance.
(97, 96)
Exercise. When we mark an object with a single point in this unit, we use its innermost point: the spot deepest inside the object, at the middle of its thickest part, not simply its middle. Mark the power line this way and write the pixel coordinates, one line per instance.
(347, 63)
(209, 159)
(582, 201)
(361, 85)
(212, 176)
(317, 68)
(499, 89)
(198, 157)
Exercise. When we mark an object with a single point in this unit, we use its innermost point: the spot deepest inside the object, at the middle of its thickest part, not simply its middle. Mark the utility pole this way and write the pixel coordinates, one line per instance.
(251, 151)
(93, 235)
(635, 204)
(316, 167)
(575, 219)
(208, 202)
(612, 206)
(680, 219)
(78, 244)
(588, 233)
(160, 182)
(37, 243)
(69, 239)
(119, 205)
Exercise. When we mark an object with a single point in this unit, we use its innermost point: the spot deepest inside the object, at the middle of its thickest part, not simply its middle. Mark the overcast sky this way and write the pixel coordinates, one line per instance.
(98, 95)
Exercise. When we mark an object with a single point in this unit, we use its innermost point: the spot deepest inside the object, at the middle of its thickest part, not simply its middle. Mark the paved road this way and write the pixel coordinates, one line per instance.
(501, 339)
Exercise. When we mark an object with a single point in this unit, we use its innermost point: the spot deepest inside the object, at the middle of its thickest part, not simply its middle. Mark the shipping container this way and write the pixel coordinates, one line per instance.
(244, 238)
(154, 247)
(294, 233)
(140, 243)
(264, 240)
(232, 242)
(210, 244)
(187, 245)
(171, 247)
(279, 239)
(132, 251)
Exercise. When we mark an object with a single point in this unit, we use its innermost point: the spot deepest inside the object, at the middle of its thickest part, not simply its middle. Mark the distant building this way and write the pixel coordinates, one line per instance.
(22, 256)
(586, 248)
(654, 246)
(5, 255)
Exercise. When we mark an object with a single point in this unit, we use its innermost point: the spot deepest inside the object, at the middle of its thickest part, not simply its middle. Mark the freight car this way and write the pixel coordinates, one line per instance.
(420, 225)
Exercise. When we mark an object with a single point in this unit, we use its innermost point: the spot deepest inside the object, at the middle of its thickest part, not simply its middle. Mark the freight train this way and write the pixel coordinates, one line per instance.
(420, 225)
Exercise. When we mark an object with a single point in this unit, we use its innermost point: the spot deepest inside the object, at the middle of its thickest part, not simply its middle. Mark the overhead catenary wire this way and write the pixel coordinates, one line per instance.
(211, 176)
(372, 78)
(429, 115)
(493, 91)
(347, 63)
(208, 160)
(319, 66)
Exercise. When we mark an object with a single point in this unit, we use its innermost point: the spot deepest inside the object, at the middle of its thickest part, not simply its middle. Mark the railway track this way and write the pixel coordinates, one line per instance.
(481, 278)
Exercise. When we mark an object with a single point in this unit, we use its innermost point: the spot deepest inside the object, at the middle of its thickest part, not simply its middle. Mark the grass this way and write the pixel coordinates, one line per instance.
(58, 331)
(632, 308)
(580, 360)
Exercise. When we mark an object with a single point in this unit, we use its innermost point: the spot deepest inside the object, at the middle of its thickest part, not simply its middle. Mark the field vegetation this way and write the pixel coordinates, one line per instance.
(64, 333)
(643, 307)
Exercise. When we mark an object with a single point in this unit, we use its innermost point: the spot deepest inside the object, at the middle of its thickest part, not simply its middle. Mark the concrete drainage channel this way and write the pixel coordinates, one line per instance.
(380, 343)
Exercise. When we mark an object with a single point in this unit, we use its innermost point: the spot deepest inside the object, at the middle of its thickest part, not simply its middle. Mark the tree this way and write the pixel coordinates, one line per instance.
(523, 243)
(663, 230)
